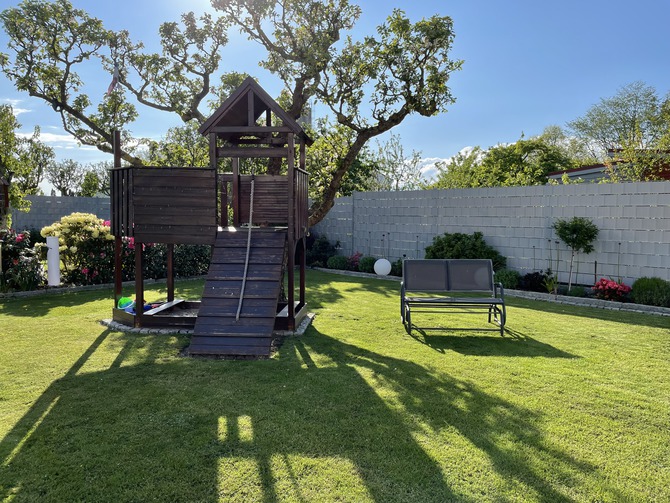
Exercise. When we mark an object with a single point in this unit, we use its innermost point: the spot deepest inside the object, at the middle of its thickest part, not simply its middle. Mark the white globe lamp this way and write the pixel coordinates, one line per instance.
(382, 267)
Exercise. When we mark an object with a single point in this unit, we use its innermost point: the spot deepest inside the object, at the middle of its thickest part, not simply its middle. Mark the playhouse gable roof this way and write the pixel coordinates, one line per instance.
(242, 109)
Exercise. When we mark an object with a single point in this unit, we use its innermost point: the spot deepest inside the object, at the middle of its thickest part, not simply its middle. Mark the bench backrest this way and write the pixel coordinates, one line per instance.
(445, 275)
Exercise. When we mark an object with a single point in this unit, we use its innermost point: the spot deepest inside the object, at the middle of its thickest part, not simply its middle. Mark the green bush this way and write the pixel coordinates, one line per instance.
(508, 278)
(651, 292)
(338, 262)
(191, 260)
(21, 267)
(87, 253)
(576, 291)
(86, 248)
(534, 281)
(367, 264)
(459, 245)
(319, 250)
(396, 268)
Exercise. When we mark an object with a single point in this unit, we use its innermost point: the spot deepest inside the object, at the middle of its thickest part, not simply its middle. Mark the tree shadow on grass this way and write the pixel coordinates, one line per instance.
(322, 420)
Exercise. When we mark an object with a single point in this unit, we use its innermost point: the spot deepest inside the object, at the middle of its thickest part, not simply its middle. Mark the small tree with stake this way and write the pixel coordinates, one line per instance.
(578, 234)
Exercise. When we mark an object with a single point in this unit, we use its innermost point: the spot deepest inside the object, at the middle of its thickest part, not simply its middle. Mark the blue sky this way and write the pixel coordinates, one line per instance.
(528, 64)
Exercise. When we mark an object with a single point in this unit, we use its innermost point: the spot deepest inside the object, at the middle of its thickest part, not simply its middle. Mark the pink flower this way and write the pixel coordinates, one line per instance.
(19, 238)
(84, 270)
(106, 223)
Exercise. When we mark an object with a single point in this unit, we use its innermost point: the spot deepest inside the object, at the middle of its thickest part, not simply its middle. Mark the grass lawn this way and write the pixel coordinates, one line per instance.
(573, 404)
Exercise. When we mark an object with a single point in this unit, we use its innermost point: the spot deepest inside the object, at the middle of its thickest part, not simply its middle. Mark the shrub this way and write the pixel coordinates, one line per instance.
(611, 290)
(534, 281)
(86, 248)
(354, 261)
(154, 260)
(396, 268)
(338, 262)
(576, 291)
(319, 250)
(459, 245)
(508, 278)
(191, 260)
(21, 267)
(651, 291)
(367, 264)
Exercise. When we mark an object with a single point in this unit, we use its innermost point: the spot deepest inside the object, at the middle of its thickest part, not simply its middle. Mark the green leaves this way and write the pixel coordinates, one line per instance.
(525, 162)
(578, 233)
(634, 125)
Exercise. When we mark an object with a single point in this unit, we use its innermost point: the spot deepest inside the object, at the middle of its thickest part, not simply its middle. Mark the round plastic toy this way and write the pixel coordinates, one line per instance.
(125, 302)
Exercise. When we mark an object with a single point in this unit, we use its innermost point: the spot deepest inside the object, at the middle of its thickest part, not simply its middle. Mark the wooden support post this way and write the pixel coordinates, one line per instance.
(118, 270)
(170, 272)
(236, 191)
(290, 160)
(303, 263)
(139, 285)
(118, 243)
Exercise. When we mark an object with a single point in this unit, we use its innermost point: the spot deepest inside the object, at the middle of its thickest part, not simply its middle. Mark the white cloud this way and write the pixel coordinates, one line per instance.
(59, 141)
(16, 109)
(429, 169)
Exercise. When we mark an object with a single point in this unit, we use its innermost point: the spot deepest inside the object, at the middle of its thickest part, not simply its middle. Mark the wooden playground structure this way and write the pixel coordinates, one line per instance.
(253, 255)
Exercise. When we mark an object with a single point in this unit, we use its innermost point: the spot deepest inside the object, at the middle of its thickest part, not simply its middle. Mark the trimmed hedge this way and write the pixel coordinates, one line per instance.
(459, 245)
(651, 292)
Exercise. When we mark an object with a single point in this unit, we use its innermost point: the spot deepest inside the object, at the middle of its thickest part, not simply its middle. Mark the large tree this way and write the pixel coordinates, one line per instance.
(396, 171)
(35, 158)
(369, 85)
(67, 177)
(525, 162)
(23, 161)
(630, 131)
(459, 171)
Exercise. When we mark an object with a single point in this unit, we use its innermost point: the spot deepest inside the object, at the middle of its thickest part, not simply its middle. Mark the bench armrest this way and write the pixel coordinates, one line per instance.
(498, 288)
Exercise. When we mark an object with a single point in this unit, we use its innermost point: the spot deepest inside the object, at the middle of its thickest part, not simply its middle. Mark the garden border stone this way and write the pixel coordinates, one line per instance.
(120, 327)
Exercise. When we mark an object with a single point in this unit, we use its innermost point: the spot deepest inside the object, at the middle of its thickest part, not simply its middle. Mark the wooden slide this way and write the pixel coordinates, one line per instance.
(217, 332)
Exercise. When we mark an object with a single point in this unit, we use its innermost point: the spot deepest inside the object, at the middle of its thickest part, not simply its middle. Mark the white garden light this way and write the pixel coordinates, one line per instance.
(382, 267)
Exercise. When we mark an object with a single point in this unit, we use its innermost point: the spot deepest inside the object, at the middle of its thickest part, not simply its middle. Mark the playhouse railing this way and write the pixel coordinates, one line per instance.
(121, 185)
(271, 200)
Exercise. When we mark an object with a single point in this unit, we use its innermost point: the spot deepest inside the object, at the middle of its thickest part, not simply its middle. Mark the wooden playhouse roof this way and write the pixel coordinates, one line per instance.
(238, 115)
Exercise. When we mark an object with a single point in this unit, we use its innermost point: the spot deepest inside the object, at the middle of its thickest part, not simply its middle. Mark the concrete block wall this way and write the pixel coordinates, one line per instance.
(633, 219)
(45, 210)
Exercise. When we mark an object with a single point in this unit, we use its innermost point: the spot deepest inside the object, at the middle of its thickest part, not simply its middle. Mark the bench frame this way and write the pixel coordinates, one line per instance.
(446, 277)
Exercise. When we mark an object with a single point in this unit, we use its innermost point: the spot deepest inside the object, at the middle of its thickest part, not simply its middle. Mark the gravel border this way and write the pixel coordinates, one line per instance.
(120, 327)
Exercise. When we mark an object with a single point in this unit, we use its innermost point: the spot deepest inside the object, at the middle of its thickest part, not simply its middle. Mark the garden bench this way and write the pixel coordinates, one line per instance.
(446, 278)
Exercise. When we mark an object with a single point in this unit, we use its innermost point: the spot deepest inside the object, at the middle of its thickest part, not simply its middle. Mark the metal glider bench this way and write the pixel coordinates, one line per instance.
(446, 277)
